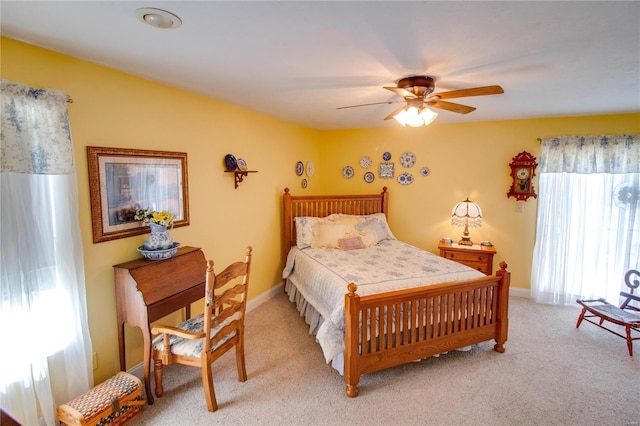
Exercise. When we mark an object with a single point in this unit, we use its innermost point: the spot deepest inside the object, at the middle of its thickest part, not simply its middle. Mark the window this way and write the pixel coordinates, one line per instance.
(588, 224)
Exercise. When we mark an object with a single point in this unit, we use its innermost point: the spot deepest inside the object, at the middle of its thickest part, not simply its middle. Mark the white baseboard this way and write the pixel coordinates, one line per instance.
(520, 292)
(138, 371)
(257, 301)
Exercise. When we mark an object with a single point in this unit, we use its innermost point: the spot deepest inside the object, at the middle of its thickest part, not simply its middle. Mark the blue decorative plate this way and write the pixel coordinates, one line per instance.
(159, 254)
(299, 168)
(386, 156)
(230, 162)
(405, 179)
(369, 177)
(408, 159)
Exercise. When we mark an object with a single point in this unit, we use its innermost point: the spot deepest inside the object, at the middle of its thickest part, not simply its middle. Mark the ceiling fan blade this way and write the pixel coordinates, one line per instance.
(476, 91)
(402, 92)
(374, 103)
(397, 110)
(450, 106)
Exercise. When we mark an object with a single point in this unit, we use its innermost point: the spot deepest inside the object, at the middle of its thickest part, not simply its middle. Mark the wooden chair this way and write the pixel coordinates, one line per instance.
(201, 340)
(627, 315)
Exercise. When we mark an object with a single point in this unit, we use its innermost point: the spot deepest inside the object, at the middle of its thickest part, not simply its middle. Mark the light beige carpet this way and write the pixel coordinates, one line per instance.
(550, 374)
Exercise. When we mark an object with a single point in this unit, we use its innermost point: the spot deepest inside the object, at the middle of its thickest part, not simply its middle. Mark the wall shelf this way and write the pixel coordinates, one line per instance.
(239, 175)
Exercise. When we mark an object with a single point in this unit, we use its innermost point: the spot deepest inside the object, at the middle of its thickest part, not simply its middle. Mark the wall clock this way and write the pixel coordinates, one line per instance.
(523, 169)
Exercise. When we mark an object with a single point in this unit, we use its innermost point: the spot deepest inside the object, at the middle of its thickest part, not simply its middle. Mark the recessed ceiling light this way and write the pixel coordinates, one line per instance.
(158, 18)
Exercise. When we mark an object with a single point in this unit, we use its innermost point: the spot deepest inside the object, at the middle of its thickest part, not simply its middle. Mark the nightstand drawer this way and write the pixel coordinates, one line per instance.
(477, 257)
(482, 267)
(467, 257)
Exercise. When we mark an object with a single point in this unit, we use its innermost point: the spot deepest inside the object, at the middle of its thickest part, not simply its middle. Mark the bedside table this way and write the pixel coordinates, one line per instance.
(478, 257)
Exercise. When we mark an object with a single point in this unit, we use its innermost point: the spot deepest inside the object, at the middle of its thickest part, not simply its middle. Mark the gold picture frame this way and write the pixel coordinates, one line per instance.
(123, 180)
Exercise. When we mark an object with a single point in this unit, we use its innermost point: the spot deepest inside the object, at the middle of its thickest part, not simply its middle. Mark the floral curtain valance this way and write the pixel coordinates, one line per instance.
(35, 136)
(590, 154)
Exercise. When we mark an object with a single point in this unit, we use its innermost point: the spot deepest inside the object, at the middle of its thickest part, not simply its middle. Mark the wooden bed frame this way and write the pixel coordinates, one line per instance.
(414, 323)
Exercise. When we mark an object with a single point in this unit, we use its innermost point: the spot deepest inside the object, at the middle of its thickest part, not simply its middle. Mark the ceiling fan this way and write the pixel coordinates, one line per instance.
(418, 95)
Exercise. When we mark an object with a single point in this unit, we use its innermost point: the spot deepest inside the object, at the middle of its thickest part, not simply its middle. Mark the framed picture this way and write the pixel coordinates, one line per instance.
(124, 180)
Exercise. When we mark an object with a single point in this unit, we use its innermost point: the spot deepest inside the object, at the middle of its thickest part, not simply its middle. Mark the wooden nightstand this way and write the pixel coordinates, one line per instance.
(478, 257)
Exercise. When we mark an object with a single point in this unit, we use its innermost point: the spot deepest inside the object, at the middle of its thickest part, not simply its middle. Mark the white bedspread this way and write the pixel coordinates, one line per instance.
(321, 277)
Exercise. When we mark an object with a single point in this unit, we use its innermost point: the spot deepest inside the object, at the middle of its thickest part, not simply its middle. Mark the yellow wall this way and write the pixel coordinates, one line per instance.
(114, 109)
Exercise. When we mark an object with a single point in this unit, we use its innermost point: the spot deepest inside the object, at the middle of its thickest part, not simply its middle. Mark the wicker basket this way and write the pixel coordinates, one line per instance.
(115, 402)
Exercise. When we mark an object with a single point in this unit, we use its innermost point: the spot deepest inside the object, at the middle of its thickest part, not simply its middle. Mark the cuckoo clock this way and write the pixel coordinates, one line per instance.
(523, 169)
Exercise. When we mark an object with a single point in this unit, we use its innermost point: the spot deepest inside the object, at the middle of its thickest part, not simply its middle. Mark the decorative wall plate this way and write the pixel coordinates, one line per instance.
(299, 168)
(365, 162)
(386, 156)
(311, 168)
(405, 179)
(425, 171)
(304, 183)
(369, 177)
(386, 171)
(242, 165)
(230, 162)
(348, 172)
(407, 159)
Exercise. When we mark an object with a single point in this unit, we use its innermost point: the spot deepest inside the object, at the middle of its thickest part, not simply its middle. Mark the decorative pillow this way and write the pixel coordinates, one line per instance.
(351, 221)
(369, 237)
(351, 243)
(304, 230)
(326, 234)
(377, 223)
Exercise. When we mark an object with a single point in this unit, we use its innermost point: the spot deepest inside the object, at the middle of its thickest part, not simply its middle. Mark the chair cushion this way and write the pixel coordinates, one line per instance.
(193, 347)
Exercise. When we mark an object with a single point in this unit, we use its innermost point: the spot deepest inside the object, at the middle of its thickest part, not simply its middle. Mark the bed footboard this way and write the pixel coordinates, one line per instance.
(389, 329)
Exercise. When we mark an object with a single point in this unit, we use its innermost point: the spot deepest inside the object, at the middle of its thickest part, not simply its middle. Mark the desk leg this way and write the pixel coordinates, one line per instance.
(123, 361)
(146, 336)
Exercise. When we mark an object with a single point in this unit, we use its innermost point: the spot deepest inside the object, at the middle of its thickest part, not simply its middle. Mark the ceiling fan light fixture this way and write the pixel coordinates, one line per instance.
(158, 18)
(414, 117)
(428, 116)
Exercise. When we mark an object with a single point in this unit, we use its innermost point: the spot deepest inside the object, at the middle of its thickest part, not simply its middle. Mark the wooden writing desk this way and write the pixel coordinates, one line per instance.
(147, 290)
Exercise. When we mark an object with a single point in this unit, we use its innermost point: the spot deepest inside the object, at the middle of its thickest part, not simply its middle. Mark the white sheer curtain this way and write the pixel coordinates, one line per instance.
(588, 225)
(46, 349)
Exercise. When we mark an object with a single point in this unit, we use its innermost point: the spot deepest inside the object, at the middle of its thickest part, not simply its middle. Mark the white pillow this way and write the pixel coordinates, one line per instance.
(304, 229)
(376, 223)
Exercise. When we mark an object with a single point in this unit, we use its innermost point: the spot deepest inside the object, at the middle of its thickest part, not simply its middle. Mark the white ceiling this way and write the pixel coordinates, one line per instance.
(298, 61)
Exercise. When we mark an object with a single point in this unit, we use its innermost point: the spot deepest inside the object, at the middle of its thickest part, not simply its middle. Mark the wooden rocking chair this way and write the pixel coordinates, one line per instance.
(201, 340)
(627, 315)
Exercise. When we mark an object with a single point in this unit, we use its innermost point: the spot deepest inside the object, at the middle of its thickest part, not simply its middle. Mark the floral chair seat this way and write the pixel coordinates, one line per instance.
(193, 347)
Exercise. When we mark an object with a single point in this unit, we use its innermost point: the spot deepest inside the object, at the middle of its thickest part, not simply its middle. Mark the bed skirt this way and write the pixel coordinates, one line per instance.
(311, 316)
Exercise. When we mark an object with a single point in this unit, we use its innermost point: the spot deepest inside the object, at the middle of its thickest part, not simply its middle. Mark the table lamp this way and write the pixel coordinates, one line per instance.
(468, 214)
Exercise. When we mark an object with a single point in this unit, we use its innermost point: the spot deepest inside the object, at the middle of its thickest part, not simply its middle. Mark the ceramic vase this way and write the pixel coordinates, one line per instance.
(159, 238)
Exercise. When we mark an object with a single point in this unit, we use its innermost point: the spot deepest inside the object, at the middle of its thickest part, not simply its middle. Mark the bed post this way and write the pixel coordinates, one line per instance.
(286, 224)
(351, 342)
(385, 201)
(503, 307)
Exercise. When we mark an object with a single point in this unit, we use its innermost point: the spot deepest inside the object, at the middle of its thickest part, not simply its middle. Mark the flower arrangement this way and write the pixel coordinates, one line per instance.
(163, 218)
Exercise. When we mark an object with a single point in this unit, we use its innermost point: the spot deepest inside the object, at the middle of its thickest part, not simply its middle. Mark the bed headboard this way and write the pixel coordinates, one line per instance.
(324, 205)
